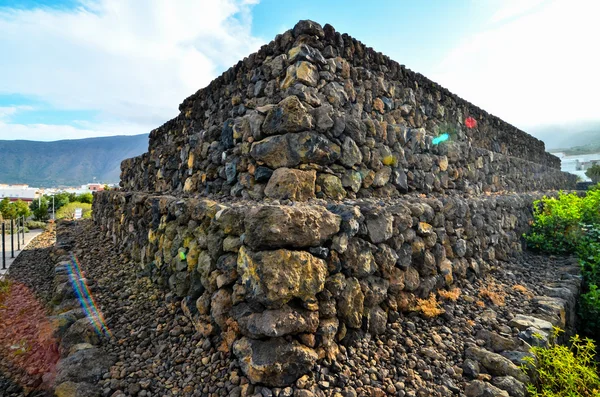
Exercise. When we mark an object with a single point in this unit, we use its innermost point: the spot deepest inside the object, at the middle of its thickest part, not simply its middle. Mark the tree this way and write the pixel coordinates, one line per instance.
(36, 203)
(22, 209)
(7, 209)
(61, 199)
(85, 198)
(41, 212)
(593, 173)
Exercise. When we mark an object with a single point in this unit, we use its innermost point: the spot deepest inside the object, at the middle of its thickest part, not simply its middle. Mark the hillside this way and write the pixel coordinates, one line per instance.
(67, 162)
(581, 138)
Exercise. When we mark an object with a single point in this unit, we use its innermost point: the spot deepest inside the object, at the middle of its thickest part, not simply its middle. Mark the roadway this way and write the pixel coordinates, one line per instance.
(28, 237)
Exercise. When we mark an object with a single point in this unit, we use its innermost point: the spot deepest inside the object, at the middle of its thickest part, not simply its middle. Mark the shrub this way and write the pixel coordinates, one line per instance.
(68, 211)
(429, 307)
(560, 371)
(451, 295)
(35, 225)
(593, 173)
(571, 224)
(84, 198)
(556, 224)
(41, 212)
(589, 309)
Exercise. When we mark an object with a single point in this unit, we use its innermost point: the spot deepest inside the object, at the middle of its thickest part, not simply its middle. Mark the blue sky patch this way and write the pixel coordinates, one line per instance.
(34, 111)
(30, 4)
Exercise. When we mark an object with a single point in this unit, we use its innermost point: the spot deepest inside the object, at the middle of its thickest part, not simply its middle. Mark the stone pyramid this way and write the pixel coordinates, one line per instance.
(302, 199)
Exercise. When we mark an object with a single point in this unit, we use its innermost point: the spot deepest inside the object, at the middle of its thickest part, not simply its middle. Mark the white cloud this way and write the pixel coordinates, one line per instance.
(52, 132)
(7, 111)
(512, 8)
(540, 68)
(132, 61)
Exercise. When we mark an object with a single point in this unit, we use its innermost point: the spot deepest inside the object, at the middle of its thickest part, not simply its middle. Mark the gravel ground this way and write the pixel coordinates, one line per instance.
(33, 268)
(159, 353)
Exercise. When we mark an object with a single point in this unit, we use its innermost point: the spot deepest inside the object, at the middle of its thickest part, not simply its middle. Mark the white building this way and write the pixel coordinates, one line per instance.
(18, 192)
(577, 164)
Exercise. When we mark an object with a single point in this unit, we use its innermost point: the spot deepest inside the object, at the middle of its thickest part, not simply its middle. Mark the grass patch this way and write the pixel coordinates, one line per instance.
(68, 211)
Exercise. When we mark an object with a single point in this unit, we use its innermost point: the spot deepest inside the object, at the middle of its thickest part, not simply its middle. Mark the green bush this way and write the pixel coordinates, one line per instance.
(68, 211)
(40, 211)
(571, 224)
(589, 309)
(84, 198)
(559, 371)
(556, 224)
(593, 173)
(590, 207)
(35, 225)
(12, 210)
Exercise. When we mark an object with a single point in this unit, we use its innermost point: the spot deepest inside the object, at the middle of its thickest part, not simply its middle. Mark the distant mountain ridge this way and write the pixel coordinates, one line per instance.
(68, 162)
(558, 137)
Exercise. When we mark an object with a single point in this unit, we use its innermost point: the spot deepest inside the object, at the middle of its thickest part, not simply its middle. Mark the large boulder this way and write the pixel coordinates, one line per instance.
(331, 186)
(81, 331)
(84, 366)
(358, 258)
(509, 384)
(292, 149)
(522, 322)
(351, 154)
(379, 226)
(301, 72)
(279, 226)
(273, 278)
(274, 362)
(478, 388)
(291, 184)
(277, 322)
(351, 304)
(495, 342)
(288, 116)
(496, 364)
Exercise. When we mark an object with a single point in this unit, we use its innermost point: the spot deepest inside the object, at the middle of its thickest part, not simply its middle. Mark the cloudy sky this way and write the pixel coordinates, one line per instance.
(84, 68)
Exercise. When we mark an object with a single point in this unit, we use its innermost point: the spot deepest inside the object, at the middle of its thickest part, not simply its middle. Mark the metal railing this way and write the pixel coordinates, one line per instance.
(16, 229)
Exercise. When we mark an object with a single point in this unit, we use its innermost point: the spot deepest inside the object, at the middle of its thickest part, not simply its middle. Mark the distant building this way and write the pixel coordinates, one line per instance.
(18, 192)
(578, 164)
(584, 165)
(93, 187)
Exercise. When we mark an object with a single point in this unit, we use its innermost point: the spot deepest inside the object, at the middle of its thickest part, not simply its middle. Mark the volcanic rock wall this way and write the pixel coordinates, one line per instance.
(298, 201)
(316, 100)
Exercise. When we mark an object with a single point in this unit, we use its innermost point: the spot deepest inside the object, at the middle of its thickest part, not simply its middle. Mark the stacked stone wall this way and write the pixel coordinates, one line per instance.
(299, 200)
(301, 278)
(315, 99)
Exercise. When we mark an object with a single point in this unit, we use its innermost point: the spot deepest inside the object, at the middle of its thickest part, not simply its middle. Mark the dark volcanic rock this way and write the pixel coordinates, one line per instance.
(275, 362)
